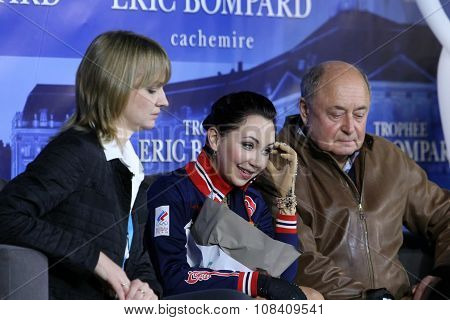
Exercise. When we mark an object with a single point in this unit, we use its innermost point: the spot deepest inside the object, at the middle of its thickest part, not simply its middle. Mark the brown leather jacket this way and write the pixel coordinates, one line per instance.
(351, 232)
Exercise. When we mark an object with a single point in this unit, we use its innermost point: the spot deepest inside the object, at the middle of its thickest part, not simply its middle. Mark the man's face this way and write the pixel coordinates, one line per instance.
(337, 118)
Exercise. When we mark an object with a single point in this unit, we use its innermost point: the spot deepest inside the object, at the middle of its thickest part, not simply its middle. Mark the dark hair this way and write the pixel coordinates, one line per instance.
(311, 80)
(231, 110)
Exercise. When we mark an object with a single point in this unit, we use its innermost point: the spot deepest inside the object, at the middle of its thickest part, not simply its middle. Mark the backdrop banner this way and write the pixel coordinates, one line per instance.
(218, 47)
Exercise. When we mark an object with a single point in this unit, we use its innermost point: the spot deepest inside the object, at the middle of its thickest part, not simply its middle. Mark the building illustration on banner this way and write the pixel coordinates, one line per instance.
(402, 77)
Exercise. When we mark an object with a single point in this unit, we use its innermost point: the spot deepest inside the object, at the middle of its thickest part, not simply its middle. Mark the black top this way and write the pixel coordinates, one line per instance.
(71, 203)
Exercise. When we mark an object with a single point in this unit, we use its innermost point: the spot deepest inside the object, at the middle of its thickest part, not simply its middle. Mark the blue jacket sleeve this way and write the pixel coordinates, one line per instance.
(170, 213)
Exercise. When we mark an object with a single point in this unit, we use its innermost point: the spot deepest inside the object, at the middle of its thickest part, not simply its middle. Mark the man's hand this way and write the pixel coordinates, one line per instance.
(140, 291)
(425, 287)
(114, 275)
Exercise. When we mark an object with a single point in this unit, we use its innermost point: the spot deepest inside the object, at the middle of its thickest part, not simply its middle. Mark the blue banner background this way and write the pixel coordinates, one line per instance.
(41, 46)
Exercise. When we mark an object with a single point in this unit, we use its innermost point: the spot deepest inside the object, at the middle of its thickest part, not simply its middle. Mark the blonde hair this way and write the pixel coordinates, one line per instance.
(115, 63)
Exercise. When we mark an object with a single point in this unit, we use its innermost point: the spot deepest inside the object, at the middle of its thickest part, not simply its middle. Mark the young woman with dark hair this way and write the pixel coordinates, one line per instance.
(240, 137)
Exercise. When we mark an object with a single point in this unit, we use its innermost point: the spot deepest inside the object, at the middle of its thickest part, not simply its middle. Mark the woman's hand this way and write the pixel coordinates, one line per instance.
(284, 178)
(140, 291)
(119, 282)
(114, 275)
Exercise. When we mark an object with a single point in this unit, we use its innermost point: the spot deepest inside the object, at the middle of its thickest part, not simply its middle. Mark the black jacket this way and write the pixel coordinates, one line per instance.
(71, 203)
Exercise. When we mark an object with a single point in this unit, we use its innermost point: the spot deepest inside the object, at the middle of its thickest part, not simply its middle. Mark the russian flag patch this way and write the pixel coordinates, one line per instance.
(162, 221)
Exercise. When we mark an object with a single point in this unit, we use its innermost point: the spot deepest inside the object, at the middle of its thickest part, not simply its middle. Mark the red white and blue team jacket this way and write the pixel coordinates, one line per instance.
(174, 201)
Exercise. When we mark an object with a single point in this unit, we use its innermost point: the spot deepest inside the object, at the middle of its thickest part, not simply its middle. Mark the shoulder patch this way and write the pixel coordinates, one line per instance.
(162, 221)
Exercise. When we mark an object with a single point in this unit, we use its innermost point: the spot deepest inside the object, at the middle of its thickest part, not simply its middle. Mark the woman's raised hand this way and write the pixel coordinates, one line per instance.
(284, 178)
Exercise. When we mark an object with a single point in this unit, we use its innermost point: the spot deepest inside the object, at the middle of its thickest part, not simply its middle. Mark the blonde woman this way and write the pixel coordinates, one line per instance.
(82, 200)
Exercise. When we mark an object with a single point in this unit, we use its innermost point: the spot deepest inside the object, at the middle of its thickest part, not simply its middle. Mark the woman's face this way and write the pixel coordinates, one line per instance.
(243, 153)
(143, 108)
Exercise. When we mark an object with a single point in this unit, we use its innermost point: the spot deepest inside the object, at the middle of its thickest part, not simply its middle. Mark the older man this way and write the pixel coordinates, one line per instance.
(354, 193)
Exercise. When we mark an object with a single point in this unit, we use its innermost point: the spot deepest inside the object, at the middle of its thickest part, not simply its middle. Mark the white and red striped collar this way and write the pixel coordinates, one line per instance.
(206, 179)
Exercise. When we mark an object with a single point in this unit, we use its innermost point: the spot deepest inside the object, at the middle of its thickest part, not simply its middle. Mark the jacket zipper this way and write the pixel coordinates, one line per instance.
(362, 216)
(358, 198)
(364, 222)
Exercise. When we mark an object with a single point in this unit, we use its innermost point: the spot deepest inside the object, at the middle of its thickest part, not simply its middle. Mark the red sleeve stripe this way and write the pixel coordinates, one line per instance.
(285, 230)
(285, 226)
(247, 283)
(254, 284)
(286, 217)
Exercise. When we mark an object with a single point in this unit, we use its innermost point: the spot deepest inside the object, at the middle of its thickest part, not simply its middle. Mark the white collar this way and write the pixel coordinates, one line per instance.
(126, 155)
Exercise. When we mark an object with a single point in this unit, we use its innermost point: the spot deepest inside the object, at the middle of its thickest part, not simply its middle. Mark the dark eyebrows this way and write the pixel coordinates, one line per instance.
(253, 138)
(257, 141)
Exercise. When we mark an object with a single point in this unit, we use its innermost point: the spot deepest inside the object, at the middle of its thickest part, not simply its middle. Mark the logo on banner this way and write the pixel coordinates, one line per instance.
(162, 221)
(196, 276)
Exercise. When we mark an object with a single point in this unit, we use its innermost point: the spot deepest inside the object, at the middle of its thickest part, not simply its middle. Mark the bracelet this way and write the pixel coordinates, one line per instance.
(286, 202)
